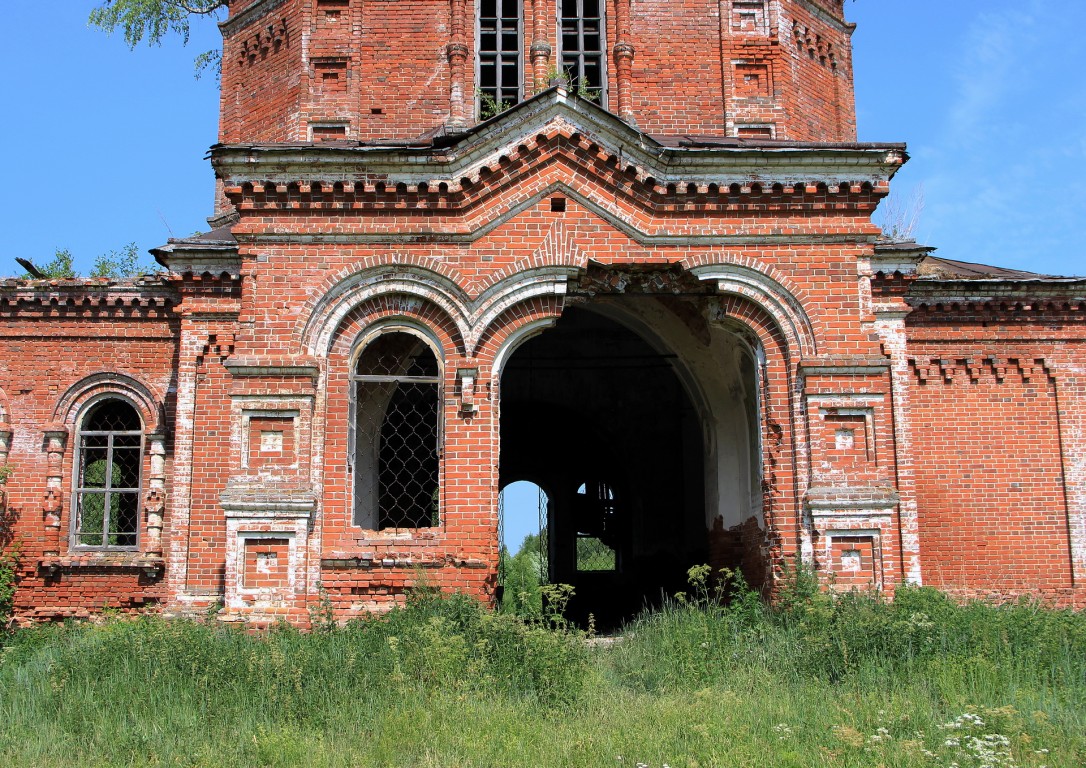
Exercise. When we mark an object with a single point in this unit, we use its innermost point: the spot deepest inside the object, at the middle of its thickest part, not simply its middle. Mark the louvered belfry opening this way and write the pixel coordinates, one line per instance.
(397, 434)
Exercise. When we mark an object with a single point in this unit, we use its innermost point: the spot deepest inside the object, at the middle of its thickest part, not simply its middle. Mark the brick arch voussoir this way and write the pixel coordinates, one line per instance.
(447, 272)
(763, 285)
(557, 251)
(777, 343)
(146, 400)
(781, 464)
(365, 282)
(513, 327)
(390, 307)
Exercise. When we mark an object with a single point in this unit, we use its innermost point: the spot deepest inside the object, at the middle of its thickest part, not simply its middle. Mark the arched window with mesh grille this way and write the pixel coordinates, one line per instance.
(396, 433)
(108, 470)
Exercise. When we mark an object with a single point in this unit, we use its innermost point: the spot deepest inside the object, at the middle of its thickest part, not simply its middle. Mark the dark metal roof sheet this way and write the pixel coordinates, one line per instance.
(933, 267)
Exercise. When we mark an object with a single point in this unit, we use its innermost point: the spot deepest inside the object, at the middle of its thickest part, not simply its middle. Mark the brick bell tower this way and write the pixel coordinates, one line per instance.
(468, 173)
(377, 70)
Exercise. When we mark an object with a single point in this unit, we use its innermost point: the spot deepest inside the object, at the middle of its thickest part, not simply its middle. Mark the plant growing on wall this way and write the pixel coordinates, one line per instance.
(9, 552)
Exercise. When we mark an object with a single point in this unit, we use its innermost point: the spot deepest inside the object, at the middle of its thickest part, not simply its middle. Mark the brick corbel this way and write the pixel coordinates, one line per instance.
(1033, 368)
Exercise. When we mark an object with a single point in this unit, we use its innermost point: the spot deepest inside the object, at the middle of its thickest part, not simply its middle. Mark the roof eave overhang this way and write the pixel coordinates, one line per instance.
(927, 289)
(198, 257)
(557, 111)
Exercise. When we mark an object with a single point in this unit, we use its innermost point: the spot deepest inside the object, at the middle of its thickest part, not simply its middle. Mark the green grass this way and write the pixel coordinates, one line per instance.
(821, 682)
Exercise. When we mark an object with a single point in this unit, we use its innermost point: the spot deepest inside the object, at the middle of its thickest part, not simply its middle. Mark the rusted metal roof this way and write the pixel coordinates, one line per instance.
(933, 267)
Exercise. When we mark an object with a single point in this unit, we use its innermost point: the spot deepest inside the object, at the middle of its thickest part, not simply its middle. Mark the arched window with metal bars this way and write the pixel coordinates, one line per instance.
(108, 476)
(396, 433)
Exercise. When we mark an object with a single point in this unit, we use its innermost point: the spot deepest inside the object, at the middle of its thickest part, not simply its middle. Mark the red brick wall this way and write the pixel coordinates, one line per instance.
(53, 341)
(263, 80)
(992, 513)
(383, 68)
(676, 70)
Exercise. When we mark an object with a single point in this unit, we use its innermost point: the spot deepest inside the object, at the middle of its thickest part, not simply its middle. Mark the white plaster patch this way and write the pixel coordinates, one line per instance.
(271, 441)
(266, 562)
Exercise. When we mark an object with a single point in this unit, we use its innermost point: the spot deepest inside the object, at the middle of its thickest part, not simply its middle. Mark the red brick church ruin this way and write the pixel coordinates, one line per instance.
(623, 250)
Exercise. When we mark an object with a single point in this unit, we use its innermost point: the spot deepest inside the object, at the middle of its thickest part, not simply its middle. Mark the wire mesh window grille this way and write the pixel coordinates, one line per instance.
(582, 41)
(108, 469)
(499, 54)
(396, 434)
(597, 524)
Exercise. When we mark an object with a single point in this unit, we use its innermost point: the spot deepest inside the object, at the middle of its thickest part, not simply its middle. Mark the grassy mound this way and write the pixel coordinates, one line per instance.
(852, 681)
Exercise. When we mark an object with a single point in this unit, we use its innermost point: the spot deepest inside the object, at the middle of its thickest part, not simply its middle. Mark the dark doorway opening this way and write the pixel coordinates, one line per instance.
(600, 418)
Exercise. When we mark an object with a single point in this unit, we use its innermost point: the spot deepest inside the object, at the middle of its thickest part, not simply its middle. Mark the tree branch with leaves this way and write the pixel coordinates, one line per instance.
(151, 20)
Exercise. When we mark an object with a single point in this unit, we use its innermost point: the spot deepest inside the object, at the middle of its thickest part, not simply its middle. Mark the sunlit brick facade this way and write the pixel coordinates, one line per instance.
(622, 249)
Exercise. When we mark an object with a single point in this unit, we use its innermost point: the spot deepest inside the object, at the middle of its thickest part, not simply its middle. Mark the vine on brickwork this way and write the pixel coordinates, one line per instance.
(9, 551)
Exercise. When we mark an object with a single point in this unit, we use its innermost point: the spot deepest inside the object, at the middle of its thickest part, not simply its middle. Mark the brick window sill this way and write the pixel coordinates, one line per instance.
(152, 566)
(347, 562)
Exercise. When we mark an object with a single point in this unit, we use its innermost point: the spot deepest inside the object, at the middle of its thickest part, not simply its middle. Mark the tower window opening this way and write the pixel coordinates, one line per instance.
(582, 45)
(499, 57)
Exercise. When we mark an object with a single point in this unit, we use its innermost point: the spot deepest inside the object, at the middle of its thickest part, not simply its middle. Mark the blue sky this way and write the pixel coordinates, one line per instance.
(106, 145)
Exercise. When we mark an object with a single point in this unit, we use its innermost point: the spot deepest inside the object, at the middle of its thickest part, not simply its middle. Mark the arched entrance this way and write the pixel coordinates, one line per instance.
(523, 511)
(607, 423)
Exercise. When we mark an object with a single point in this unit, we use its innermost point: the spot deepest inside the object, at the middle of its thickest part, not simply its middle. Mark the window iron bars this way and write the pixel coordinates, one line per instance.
(582, 45)
(541, 555)
(597, 523)
(108, 478)
(499, 55)
(397, 434)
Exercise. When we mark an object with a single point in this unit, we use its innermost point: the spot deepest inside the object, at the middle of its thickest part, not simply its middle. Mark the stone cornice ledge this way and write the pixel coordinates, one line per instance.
(274, 366)
(830, 501)
(200, 258)
(245, 498)
(556, 113)
(248, 16)
(827, 366)
(901, 256)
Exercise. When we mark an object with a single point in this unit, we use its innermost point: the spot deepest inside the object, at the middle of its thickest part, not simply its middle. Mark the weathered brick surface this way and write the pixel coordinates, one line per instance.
(395, 71)
(839, 404)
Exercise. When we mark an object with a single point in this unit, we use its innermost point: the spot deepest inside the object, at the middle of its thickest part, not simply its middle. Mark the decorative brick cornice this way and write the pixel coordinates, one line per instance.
(141, 298)
(975, 368)
(555, 122)
(1022, 306)
(244, 497)
(834, 500)
(250, 15)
